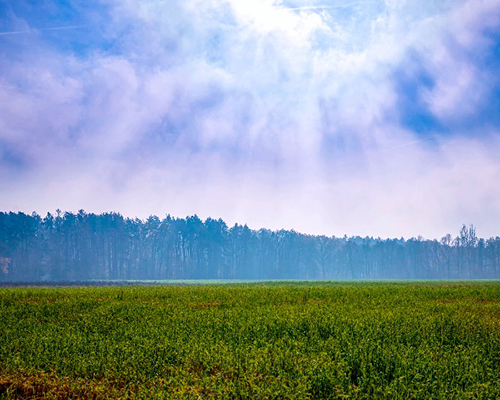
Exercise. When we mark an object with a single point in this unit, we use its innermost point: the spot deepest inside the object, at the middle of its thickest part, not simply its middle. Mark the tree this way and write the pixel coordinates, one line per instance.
(81, 246)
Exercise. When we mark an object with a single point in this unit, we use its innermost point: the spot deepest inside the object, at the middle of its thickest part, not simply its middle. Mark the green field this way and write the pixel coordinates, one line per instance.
(275, 340)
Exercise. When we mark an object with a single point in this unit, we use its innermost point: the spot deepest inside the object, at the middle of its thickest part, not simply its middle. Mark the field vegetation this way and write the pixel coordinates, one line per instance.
(266, 341)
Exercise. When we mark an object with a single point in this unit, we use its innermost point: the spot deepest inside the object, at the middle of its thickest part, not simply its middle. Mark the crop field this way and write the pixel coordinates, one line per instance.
(261, 340)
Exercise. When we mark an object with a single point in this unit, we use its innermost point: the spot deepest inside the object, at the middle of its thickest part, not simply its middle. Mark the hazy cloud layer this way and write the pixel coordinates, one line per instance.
(363, 117)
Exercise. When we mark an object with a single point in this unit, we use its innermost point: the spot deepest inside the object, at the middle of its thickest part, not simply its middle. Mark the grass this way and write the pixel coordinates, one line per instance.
(276, 340)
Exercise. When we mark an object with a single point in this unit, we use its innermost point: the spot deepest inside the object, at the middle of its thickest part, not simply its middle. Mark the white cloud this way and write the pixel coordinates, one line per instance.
(453, 60)
(275, 113)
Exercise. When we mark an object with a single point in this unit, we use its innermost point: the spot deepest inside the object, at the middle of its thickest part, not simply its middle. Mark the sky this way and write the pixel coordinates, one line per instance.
(373, 118)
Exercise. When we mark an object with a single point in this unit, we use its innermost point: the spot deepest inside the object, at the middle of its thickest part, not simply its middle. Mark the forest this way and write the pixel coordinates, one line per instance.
(83, 246)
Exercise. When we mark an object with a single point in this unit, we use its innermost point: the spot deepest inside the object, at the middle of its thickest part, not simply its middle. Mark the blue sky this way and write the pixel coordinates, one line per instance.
(345, 117)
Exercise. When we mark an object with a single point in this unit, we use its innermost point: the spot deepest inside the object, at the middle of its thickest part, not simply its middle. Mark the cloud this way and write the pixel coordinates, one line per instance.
(55, 28)
(363, 118)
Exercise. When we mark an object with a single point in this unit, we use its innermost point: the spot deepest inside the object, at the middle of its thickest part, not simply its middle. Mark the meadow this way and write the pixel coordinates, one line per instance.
(279, 340)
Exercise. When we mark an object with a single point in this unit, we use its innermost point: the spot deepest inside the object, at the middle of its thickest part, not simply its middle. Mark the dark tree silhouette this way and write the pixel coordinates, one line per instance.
(86, 246)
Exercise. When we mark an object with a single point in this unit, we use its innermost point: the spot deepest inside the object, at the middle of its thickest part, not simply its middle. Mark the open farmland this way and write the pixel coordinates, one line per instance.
(274, 340)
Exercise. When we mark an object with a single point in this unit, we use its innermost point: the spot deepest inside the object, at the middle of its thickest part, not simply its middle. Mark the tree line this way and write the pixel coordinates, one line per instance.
(85, 246)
